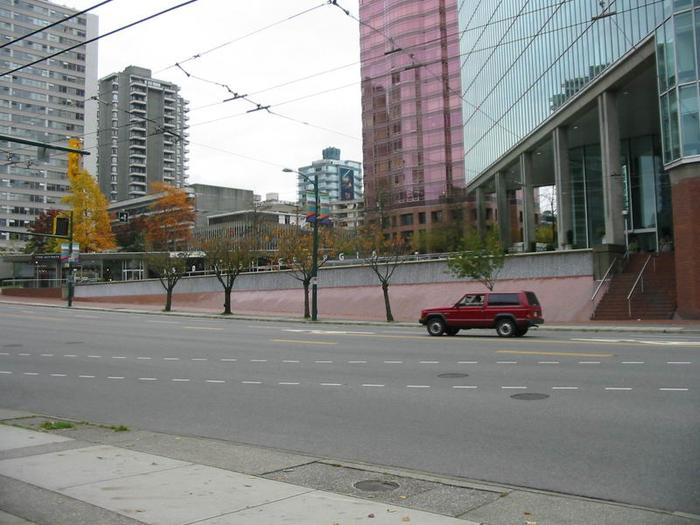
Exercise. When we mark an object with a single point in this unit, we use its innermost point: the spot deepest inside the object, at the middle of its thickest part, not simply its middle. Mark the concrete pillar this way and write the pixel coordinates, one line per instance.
(529, 237)
(562, 180)
(611, 164)
(480, 211)
(503, 209)
(685, 194)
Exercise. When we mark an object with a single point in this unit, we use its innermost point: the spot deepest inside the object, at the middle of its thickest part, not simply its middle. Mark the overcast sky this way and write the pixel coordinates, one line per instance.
(248, 150)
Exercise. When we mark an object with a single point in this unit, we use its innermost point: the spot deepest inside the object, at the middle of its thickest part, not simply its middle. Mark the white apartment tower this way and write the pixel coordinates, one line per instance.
(41, 103)
(142, 133)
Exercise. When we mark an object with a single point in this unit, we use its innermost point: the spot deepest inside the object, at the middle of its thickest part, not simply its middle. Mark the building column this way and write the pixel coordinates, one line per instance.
(503, 209)
(685, 195)
(562, 181)
(611, 163)
(529, 237)
(480, 211)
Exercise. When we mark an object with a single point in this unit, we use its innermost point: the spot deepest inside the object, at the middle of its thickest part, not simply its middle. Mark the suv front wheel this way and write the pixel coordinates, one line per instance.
(506, 328)
(435, 326)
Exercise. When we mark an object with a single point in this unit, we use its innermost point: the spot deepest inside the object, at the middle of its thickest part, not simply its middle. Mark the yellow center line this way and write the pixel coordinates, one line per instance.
(34, 317)
(574, 354)
(202, 328)
(301, 341)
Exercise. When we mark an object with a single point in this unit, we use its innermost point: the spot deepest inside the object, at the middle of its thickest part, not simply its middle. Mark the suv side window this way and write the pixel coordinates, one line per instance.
(504, 299)
(532, 298)
(472, 300)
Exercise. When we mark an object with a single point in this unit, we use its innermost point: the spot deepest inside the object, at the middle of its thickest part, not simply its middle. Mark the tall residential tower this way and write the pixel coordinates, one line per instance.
(142, 130)
(42, 103)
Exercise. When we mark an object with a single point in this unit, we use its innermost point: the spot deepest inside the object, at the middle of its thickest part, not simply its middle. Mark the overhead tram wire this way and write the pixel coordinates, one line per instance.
(238, 39)
(59, 22)
(95, 39)
(561, 55)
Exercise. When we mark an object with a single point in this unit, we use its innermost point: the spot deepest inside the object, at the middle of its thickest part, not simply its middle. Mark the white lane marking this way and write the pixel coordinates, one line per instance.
(565, 388)
(331, 384)
(57, 375)
(287, 383)
(466, 387)
(372, 385)
(325, 332)
(290, 361)
(258, 360)
(171, 359)
(514, 387)
(144, 358)
(679, 363)
(602, 340)
(31, 373)
(417, 386)
(506, 362)
(547, 362)
(148, 379)
(202, 328)
(95, 356)
(180, 380)
(620, 388)
(69, 355)
(87, 377)
(46, 355)
(633, 362)
(673, 389)
(229, 359)
(428, 362)
(252, 382)
(216, 381)
(23, 354)
(323, 362)
(467, 362)
(162, 322)
(115, 377)
(4, 353)
(589, 362)
(393, 362)
(356, 362)
(5, 372)
(118, 357)
(199, 359)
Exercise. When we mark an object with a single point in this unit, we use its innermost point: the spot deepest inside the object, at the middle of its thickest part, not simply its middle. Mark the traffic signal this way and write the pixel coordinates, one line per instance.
(61, 226)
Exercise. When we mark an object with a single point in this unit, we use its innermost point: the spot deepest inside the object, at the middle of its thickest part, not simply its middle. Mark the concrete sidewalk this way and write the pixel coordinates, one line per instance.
(660, 326)
(90, 474)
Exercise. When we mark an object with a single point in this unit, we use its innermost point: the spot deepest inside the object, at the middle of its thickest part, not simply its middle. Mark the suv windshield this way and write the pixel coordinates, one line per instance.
(532, 298)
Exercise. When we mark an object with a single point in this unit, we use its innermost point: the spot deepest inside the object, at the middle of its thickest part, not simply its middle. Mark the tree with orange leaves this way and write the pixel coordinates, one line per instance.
(91, 224)
(169, 226)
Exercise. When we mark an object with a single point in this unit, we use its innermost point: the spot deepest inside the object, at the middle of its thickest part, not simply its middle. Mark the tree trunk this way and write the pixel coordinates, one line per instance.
(169, 299)
(306, 300)
(389, 316)
(227, 301)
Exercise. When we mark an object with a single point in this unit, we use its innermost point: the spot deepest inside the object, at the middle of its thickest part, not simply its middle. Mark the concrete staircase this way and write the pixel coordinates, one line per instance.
(658, 301)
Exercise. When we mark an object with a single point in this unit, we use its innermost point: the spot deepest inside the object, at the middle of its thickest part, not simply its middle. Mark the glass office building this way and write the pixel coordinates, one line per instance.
(600, 103)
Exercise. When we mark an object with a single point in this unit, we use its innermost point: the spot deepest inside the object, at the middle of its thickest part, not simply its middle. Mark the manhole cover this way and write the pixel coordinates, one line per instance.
(529, 397)
(375, 485)
(454, 375)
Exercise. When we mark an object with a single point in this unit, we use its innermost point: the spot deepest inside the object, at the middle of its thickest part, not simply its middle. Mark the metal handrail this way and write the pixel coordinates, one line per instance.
(605, 278)
(639, 278)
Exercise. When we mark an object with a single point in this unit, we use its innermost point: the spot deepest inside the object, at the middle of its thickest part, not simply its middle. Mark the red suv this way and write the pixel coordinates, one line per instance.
(510, 313)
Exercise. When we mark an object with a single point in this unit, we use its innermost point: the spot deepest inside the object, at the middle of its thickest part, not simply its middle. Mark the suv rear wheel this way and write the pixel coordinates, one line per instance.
(506, 328)
(435, 326)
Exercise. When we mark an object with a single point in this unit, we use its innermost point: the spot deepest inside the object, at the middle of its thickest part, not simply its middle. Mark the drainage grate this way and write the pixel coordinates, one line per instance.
(376, 485)
(452, 375)
(530, 397)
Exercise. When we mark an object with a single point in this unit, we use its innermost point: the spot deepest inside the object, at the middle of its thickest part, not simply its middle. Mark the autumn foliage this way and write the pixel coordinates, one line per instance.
(169, 226)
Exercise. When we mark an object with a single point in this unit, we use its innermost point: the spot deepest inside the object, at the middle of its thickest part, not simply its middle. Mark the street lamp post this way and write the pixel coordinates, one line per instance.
(314, 252)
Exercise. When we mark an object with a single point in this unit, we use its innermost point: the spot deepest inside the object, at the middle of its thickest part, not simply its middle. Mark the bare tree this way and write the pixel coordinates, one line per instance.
(228, 257)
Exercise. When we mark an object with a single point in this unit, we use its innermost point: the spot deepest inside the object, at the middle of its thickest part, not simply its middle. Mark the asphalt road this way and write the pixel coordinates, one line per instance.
(621, 421)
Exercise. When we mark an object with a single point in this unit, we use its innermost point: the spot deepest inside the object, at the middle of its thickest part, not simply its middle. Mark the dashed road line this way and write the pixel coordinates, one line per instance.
(171, 359)
(513, 388)
(287, 383)
(465, 387)
(563, 354)
(24, 354)
(5, 372)
(372, 385)
(673, 389)
(330, 384)
(118, 357)
(679, 362)
(219, 381)
(506, 362)
(633, 362)
(199, 359)
(323, 362)
(180, 380)
(4, 353)
(31, 373)
(69, 355)
(618, 388)
(589, 362)
(252, 382)
(417, 386)
(95, 356)
(565, 388)
(115, 377)
(144, 358)
(393, 362)
(57, 375)
(148, 379)
(46, 355)
(429, 362)
(290, 361)
(228, 359)
(304, 342)
(357, 362)
(548, 362)
(467, 362)
(86, 377)
(258, 360)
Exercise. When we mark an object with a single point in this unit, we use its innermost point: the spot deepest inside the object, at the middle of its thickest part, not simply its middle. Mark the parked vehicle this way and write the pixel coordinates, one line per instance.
(510, 313)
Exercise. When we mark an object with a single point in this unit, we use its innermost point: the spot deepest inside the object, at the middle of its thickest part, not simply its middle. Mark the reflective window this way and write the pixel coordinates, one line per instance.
(685, 47)
(690, 127)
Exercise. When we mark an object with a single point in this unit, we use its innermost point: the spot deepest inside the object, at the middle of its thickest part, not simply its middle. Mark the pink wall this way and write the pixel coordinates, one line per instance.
(563, 299)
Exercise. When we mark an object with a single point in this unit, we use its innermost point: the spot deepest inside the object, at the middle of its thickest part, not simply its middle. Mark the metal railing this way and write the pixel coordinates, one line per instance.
(639, 280)
(605, 278)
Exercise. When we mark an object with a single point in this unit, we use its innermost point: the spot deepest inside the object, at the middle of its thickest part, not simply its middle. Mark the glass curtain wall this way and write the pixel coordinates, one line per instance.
(523, 60)
(678, 65)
